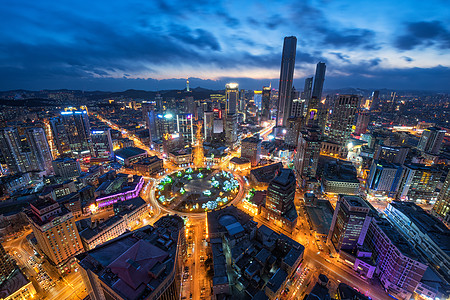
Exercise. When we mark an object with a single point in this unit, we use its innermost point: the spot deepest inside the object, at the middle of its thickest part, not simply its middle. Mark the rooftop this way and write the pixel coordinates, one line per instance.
(134, 264)
(266, 173)
(129, 152)
(427, 223)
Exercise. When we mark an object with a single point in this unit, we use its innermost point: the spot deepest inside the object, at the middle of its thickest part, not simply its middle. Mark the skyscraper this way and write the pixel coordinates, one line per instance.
(72, 127)
(431, 140)
(7, 265)
(307, 90)
(55, 230)
(312, 116)
(281, 192)
(350, 223)
(442, 206)
(308, 152)
(232, 96)
(208, 124)
(11, 150)
(102, 143)
(286, 77)
(40, 149)
(362, 122)
(375, 100)
(319, 80)
(342, 120)
(185, 128)
(265, 115)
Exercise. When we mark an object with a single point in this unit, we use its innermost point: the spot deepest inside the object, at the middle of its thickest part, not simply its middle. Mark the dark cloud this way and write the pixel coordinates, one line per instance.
(407, 58)
(353, 37)
(424, 34)
(199, 38)
(313, 21)
(341, 56)
(229, 20)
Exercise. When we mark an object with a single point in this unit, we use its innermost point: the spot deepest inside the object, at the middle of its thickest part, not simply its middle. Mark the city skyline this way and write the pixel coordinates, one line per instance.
(51, 46)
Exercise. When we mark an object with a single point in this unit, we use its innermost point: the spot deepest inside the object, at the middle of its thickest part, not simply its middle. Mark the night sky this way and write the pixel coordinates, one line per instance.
(118, 45)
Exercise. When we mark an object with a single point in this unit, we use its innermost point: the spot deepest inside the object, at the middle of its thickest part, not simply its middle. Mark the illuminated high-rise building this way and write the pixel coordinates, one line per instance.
(442, 206)
(11, 150)
(281, 192)
(72, 127)
(102, 143)
(350, 223)
(308, 152)
(375, 103)
(307, 90)
(55, 231)
(286, 77)
(316, 96)
(208, 124)
(185, 128)
(258, 99)
(232, 96)
(7, 265)
(40, 150)
(431, 140)
(362, 122)
(265, 114)
(319, 79)
(342, 120)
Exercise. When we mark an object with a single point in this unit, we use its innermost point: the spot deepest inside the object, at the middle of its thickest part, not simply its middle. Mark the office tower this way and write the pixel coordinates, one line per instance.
(265, 114)
(159, 103)
(431, 140)
(7, 265)
(143, 264)
(55, 230)
(307, 90)
(308, 152)
(185, 128)
(375, 100)
(102, 143)
(251, 149)
(257, 98)
(231, 124)
(384, 178)
(242, 101)
(232, 96)
(208, 123)
(399, 266)
(362, 122)
(350, 223)
(396, 155)
(316, 96)
(393, 101)
(40, 149)
(294, 125)
(72, 128)
(425, 233)
(342, 120)
(297, 107)
(191, 107)
(286, 77)
(67, 168)
(319, 80)
(281, 192)
(60, 136)
(11, 149)
(442, 206)
(165, 124)
(418, 183)
(187, 85)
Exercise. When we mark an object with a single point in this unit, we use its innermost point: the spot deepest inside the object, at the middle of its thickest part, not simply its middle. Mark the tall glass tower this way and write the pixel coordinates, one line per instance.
(286, 77)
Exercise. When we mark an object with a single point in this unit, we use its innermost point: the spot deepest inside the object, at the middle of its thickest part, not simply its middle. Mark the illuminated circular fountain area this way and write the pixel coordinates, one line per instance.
(196, 190)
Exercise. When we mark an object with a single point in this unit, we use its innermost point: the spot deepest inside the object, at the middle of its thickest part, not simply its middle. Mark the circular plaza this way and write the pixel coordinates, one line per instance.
(196, 190)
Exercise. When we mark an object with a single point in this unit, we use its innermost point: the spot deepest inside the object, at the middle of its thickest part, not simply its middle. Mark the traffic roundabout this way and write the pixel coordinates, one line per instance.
(196, 190)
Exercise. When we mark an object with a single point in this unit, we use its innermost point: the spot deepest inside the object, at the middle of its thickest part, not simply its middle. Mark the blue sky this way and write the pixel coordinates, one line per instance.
(118, 45)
